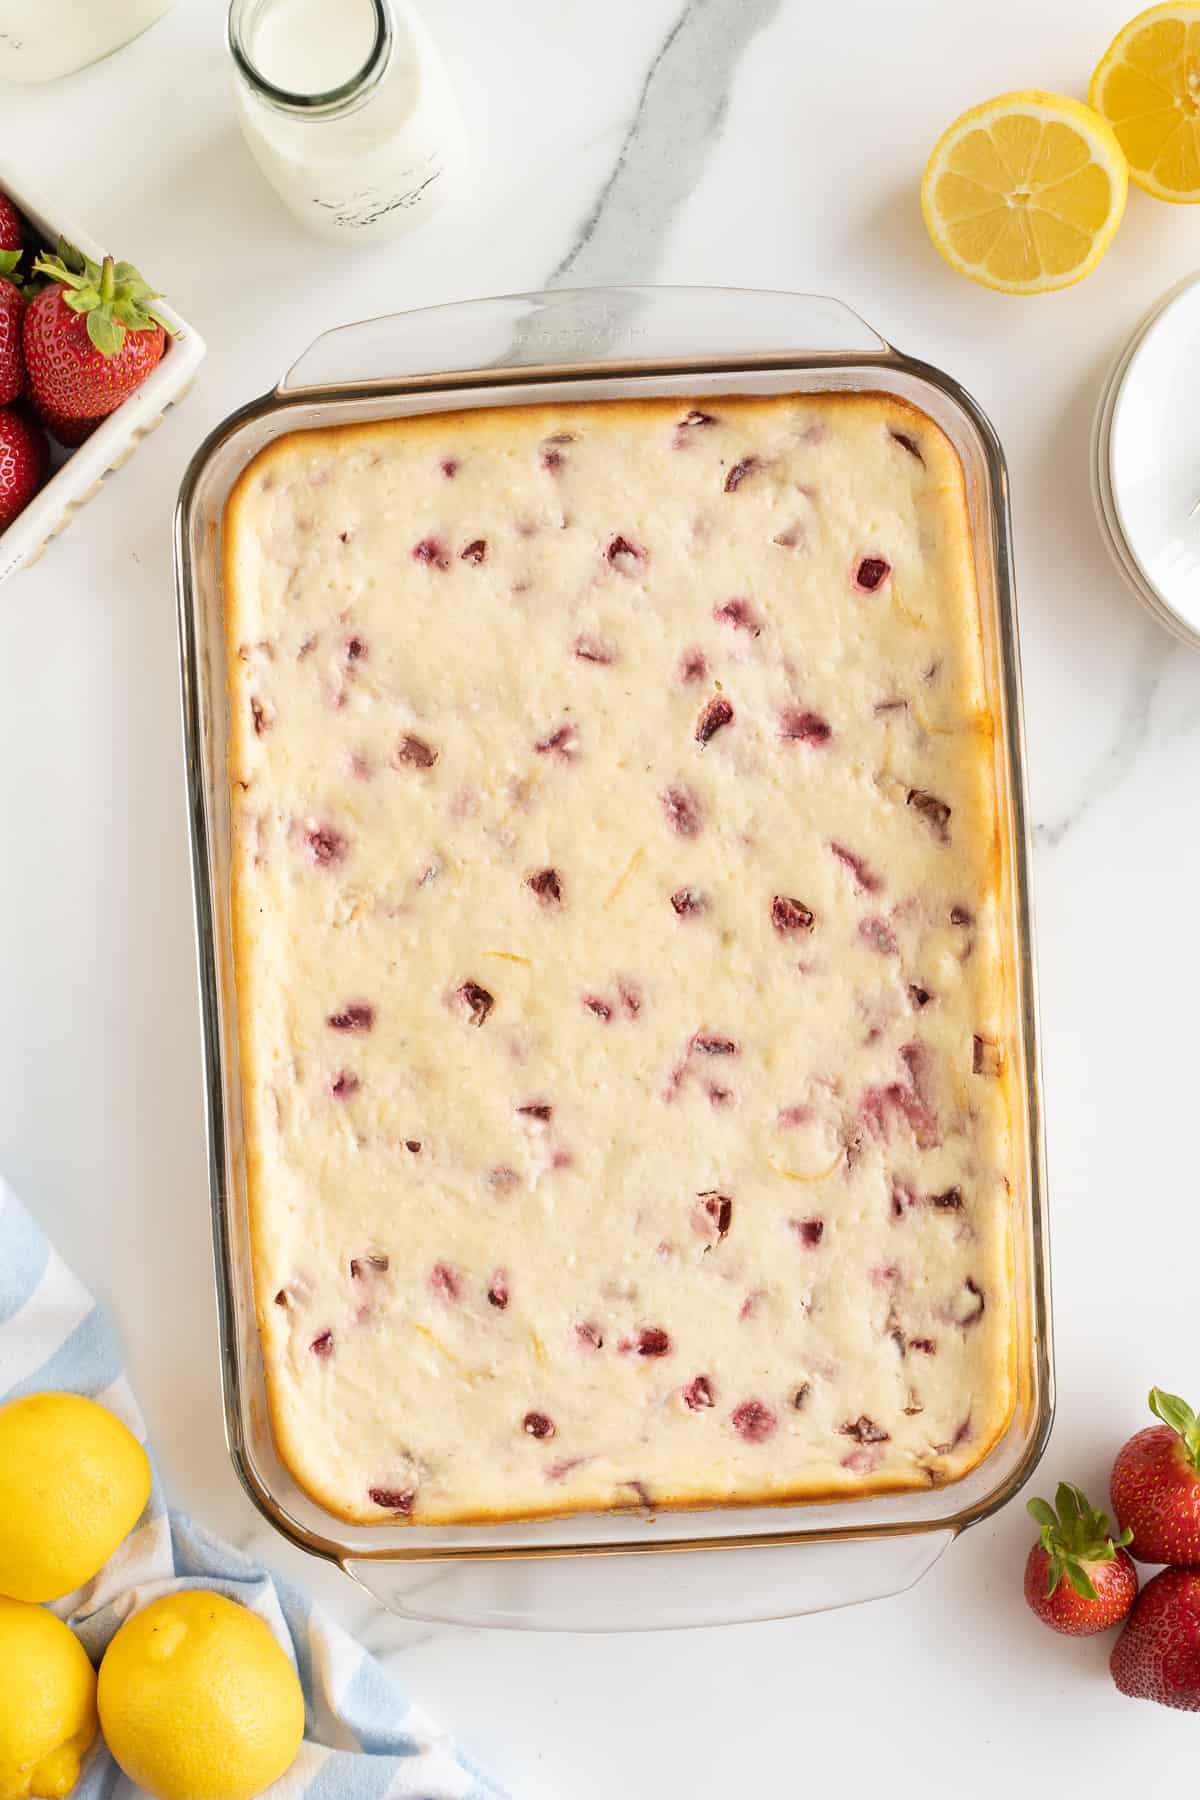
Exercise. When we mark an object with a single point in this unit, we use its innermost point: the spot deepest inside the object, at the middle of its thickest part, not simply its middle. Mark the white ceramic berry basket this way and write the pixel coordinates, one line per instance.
(633, 1569)
(80, 474)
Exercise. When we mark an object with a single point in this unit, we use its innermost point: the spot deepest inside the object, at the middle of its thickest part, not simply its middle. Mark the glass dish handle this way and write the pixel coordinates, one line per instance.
(594, 327)
(626, 1593)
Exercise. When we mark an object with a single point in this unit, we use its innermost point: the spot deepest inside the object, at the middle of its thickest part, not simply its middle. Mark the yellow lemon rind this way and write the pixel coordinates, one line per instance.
(1172, 9)
(1104, 149)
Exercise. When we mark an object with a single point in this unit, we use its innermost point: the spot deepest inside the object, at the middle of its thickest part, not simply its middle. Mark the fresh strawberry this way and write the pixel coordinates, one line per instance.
(1157, 1656)
(90, 337)
(24, 459)
(11, 238)
(70, 433)
(1101, 1581)
(12, 361)
(1156, 1484)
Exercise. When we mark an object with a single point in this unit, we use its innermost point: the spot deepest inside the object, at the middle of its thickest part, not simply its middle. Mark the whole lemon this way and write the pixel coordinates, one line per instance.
(73, 1482)
(197, 1700)
(47, 1703)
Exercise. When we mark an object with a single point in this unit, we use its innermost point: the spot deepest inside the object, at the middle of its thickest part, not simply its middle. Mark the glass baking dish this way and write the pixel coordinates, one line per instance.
(621, 1570)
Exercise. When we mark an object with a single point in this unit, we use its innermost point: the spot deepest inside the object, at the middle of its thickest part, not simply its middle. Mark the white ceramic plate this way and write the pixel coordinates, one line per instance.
(1150, 477)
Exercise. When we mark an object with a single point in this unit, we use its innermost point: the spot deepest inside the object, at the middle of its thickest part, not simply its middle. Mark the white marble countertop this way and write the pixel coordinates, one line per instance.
(749, 142)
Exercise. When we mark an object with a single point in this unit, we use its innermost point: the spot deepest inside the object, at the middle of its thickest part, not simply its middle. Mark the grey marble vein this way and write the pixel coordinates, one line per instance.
(670, 138)
(1129, 734)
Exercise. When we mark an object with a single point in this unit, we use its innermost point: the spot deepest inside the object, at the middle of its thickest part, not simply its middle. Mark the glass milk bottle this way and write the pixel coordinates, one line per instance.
(348, 111)
(42, 39)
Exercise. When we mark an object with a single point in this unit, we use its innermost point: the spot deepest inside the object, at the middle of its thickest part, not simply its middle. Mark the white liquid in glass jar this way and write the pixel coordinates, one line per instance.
(375, 164)
(42, 39)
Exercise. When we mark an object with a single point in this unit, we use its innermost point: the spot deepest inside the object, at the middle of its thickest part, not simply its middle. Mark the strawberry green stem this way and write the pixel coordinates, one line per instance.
(108, 281)
(1182, 1420)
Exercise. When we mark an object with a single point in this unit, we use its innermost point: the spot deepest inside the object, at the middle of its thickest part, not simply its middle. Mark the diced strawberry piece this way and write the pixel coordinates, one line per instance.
(445, 1283)
(358, 1016)
(624, 556)
(344, 1084)
(589, 1336)
(789, 1116)
(935, 813)
(653, 1341)
(707, 1044)
(322, 1344)
(809, 1231)
(683, 811)
(498, 1290)
(547, 886)
(788, 914)
(477, 1001)
(878, 935)
(698, 1393)
(686, 902)
(865, 1431)
(716, 714)
(559, 742)
(597, 1006)
(799, 727)
(871, 573)
(325, 845)
(474, 552)
(398, 1500)
(690, 423)
(414, 753)
(753, 1421)
(538, 1425)
(537, 1109)
(864, 879)
(907, 443)
(362, 1267)
(740, 614)
(432, 552)
(749, 465)
(594, 650)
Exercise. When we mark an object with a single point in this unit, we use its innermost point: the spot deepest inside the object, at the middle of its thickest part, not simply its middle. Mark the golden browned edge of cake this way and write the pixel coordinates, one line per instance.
(1002, 1394)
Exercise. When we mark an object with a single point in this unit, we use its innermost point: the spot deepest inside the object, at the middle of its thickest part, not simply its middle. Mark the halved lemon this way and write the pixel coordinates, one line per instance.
(1147, 86)
(1025, 192)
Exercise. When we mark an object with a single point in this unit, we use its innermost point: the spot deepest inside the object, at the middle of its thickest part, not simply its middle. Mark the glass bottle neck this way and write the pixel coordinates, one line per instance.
(244, 33)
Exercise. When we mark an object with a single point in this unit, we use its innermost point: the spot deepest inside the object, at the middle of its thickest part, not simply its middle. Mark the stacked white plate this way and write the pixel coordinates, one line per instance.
(1146, 461)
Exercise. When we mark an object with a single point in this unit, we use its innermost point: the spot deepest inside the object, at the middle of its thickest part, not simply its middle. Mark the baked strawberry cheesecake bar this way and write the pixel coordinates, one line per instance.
(622, 1023)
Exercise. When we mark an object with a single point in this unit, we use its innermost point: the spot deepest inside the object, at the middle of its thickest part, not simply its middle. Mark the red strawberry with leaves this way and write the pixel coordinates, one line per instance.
(12, 360)
(91, 336)
(1157, 1656)
(1156, 1484)
(1077, 1580)
(24, 459)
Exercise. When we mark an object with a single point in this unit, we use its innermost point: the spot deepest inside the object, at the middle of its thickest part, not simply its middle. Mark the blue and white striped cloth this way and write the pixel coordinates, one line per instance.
(362, 1739)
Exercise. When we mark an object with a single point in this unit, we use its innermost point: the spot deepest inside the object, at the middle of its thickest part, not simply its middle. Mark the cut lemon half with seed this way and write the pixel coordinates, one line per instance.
(1025, 192)
(1148, 88)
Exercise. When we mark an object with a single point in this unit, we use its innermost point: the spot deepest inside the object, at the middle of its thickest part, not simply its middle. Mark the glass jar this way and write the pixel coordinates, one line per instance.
(348, 111)
(42, 39)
